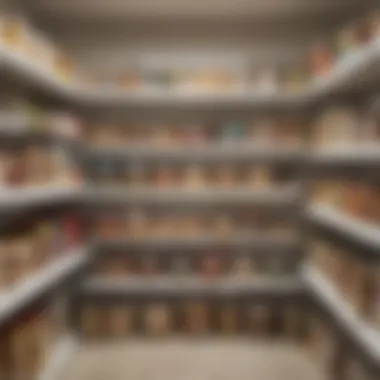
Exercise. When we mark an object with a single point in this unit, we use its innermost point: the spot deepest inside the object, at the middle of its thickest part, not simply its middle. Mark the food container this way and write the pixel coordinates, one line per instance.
(259, 177)
(227, 177)
(243, 267)
(149, 265)
(164, 177)
(229, 319)
(223, 226)
(157, 320)
(92, 321)
(194, 178)
(291, 321)
(260, 320)
(197, 317)
(321, 59)
(138, 226)
(211, 266)
(120, 321)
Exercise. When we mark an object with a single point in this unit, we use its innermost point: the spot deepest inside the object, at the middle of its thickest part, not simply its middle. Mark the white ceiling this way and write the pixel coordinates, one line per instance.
(194, 8)
(111, 32)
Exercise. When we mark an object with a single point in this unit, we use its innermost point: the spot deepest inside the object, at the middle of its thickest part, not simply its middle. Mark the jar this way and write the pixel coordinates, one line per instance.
(5, 353)
(260, 320)
(119, 321)
(109, 227)
(223, 226)
(242, 267)
(263, 132)
(227, 177)
(259, 177)
(233, 132)
(138, 226)
(136, 175)
(197, 317)
(321, 59)
(211, 266)
(92, 321)
(195, 178)
(149, 265)
(291, 321)
(164, 177)
(157, 320)
(229, 319)
(180, 266)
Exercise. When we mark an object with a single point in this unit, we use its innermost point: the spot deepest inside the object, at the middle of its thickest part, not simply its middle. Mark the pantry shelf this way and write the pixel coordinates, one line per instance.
(18, 130)
(34, 74)
(59, 357)
(207, 153)
(23, 294)
(189, 286)
(260, 243)
(37, 196)
(362, 156)
(278, 196)
(355, 68)
(357, 235)
(359, 333)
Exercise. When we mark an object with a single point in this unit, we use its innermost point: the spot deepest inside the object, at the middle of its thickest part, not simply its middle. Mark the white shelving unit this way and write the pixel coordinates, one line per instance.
(11, 199)
(367, 336)
(164, 285)
(364, 233)
(347, 71)
(56, 364)
(22, 294)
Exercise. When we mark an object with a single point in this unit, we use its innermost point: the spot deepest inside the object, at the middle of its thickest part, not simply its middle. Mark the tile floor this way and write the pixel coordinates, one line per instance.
(186, 359)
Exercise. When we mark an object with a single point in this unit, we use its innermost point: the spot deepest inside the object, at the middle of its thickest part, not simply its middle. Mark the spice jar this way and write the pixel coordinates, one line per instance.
(229, 319)
(136, 175)
(197, 317)
(180, 266)
(223, 226)
(227, 177)
(138, 225)
(321, 59)
(233, 132)
(164, 177)
(195, 178)
(291, 320)
(242, 267)
(119, 321)
(259, 178)
(109, 227)
(260, 319)
(211, 266)
(92, 321)
(149, 265)
(157, 320)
